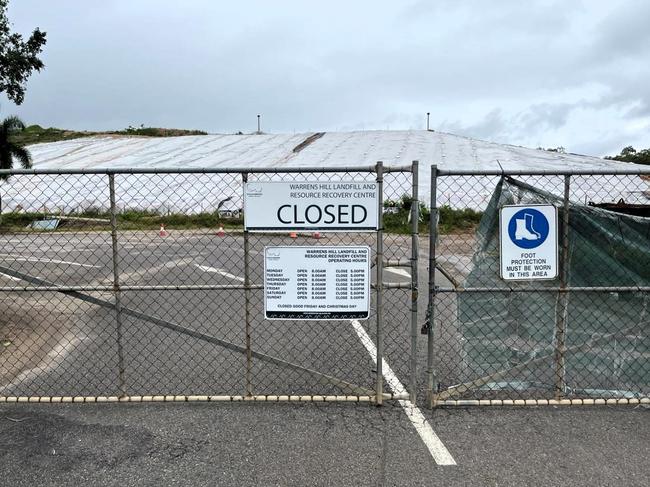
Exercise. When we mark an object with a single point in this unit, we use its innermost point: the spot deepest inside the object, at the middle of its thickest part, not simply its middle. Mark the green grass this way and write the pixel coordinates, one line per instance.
(450, 221)
(35, 134)
(128, 220)
(140, 220)
(158, 132)
(458, 221)
(12, 222)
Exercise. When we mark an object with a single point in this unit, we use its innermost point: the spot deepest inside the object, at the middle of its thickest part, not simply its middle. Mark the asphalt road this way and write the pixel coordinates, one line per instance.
(326, 444)
(156, 360)
(252, 444)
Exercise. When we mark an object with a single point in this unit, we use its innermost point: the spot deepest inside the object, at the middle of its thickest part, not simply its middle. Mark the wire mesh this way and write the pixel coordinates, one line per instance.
(542, 341)
(145, 285)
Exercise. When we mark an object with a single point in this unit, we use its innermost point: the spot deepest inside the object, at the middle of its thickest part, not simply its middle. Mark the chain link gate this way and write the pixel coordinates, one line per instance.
(581, 338)
(140, 285)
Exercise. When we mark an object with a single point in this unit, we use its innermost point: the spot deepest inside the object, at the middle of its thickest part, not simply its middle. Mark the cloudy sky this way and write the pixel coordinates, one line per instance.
(534, 73)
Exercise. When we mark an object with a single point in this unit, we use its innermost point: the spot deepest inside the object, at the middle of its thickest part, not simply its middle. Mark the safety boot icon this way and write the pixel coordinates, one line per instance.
(525, 229)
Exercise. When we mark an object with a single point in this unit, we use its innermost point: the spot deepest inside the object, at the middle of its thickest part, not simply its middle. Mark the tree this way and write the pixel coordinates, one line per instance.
(18, 57)
(628, 151)
(630, 154)
(560, 149)
(9, 150)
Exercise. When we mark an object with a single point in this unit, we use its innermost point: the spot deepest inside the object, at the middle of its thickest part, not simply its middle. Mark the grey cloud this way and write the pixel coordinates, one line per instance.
(543, 123)
(495, 125)
(624, 33)
(601, 144)
(640, 110)
(333, 65)
(545, 116)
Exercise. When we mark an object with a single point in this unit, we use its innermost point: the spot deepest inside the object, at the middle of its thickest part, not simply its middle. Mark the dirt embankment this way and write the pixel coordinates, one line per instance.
(30, 327)
(454, 254)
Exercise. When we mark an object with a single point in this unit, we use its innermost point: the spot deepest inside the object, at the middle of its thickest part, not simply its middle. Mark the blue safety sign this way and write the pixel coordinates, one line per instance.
(528, 228)
(528, 242)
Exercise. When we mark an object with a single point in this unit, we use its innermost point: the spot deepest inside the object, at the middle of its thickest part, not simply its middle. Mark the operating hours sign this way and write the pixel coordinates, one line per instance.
(316, 283)
(315, 205)
(529, 242)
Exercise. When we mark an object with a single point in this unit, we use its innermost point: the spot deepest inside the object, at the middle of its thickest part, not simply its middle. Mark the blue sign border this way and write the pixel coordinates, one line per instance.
(557, 236)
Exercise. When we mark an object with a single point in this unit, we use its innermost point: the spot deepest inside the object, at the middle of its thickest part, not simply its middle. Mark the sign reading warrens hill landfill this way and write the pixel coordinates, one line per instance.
(317, 205)
(316, 283)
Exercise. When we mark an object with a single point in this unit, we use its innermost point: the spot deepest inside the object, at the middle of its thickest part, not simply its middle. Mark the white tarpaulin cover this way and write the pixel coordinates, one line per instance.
(173, 193)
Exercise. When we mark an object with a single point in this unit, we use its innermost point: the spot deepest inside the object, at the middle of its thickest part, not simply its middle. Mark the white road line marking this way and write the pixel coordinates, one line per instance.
(52, 360)
(398, 271)
(146, 272)
(10, 277)
(437, 449)
(205, 268)
(45, 261)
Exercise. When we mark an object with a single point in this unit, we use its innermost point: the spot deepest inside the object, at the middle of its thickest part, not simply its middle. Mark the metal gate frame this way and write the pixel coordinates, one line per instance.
(32, 284)
(437, 398)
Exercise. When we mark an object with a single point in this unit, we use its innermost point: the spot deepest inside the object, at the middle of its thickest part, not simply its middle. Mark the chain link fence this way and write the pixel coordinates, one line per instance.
(579, 338)
(143, 286)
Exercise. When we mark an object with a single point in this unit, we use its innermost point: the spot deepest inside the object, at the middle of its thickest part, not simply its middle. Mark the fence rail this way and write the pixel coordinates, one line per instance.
(631, 170)
(110, 307)
(581, 338)
(209, 170)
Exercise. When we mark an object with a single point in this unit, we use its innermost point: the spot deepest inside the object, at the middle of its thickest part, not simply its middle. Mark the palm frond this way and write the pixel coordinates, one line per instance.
(6, 162)
(22, 154)
(12, 124)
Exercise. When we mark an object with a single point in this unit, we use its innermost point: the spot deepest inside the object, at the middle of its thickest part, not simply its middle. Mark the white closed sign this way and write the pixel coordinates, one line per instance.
(529, 242)
(315, 205)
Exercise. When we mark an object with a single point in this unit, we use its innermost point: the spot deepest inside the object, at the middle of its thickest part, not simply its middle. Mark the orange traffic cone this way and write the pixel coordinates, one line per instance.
(293, 234)
(316, 235)
(221, 232)
(163, 232)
